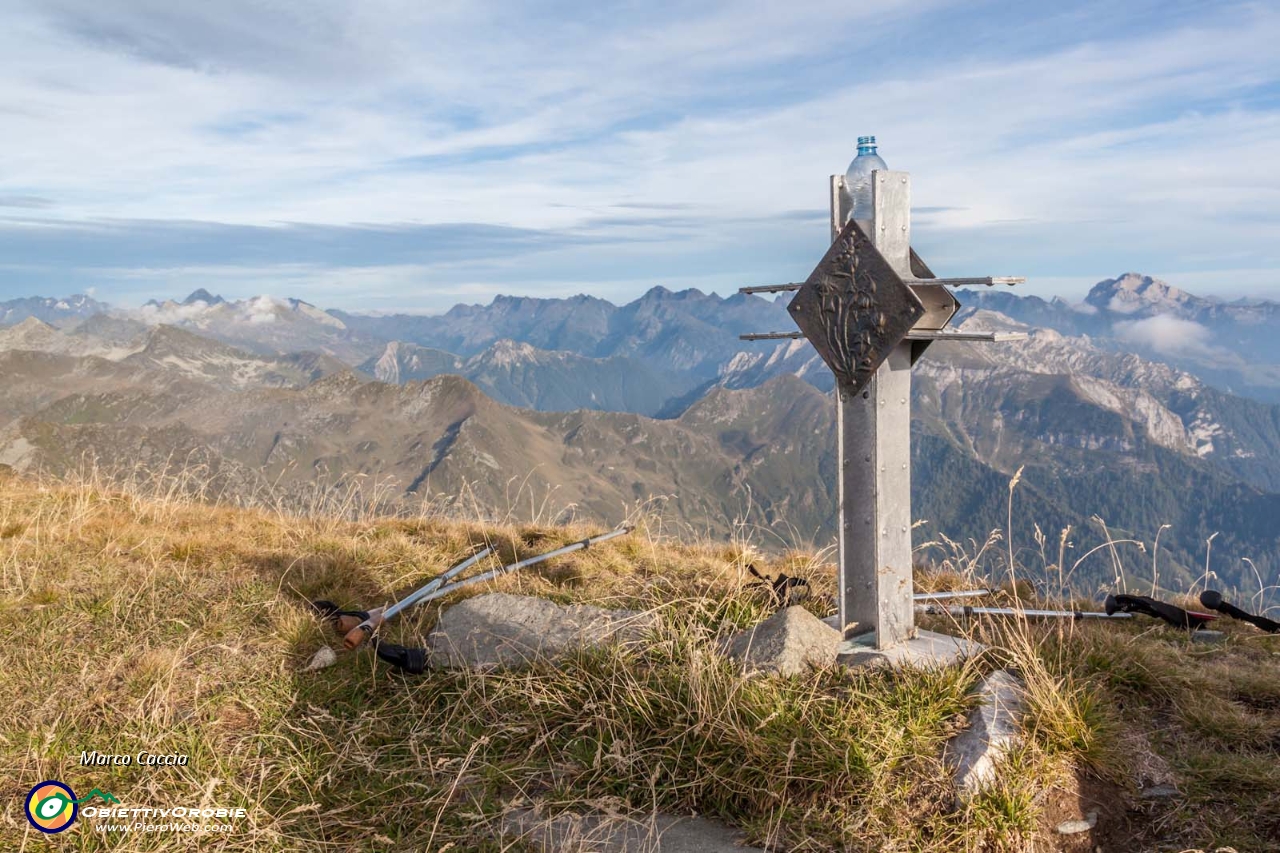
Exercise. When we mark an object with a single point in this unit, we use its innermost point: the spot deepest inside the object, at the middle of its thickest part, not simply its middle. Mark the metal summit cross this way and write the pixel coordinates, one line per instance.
(870, 309)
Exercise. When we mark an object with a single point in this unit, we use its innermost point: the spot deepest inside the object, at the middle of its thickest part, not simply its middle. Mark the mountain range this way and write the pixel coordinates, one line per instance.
(68, 311)
(556, 398)
(1231, 345)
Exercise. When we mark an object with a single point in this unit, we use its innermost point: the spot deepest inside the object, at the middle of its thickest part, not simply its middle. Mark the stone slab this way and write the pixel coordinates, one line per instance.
(991, 732)
(502, 630)
(659, 833)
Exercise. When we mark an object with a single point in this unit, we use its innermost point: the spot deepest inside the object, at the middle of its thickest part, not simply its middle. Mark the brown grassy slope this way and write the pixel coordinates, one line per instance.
(135, 623)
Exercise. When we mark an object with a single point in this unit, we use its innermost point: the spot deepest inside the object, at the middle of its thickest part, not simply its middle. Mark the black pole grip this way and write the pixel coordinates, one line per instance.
(411, 661)
(1212, 599)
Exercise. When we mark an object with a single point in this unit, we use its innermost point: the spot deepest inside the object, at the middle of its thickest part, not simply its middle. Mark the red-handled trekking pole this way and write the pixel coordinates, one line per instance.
(359, 626)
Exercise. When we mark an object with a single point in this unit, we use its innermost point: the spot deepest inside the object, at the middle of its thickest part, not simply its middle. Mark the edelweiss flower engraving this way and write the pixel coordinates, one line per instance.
(854, 308)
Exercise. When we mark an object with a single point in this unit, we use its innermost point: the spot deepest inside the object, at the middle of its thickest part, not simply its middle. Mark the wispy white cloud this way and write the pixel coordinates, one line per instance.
(1105, 137)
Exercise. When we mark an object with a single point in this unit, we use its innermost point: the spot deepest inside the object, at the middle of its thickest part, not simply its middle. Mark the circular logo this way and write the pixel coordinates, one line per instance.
(51, 806)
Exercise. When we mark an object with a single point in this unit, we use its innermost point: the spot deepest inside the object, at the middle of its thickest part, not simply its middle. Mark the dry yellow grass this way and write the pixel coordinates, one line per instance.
(143, 622)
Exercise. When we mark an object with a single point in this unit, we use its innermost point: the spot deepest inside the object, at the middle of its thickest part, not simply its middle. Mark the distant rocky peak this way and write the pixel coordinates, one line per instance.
(33, 324)
(1134, 293)
(660, 293)
(314, 314)
(202, 295)
(985, 320)
(506, 352)
(31, 333)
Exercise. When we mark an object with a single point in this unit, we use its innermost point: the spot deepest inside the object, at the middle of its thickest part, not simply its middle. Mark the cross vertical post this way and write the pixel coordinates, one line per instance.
(874, 450)
(870, 308)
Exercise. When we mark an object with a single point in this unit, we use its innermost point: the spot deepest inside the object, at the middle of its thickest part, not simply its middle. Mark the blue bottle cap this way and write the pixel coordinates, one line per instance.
(866, 140)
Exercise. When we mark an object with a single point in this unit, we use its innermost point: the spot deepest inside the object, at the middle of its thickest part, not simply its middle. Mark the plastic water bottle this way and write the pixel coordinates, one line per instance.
(857, 180)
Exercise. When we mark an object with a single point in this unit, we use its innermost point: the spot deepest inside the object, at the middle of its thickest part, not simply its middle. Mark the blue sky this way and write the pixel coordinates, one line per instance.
(397, 155)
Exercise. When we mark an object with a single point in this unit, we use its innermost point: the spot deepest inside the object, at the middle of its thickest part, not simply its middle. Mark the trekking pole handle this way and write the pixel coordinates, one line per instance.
(348, 622)
(1213, 600)
(347, 625)
(356, 637)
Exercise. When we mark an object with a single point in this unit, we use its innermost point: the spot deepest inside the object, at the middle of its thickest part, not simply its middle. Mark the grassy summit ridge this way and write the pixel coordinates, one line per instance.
(145, 623)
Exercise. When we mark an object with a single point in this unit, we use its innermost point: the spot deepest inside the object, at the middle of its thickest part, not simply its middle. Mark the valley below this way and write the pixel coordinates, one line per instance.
(563, 409)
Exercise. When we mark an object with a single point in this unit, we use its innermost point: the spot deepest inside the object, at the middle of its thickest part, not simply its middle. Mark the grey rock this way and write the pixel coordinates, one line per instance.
(992, 731)
(1075, 827)
(788, 642)
(659, 833)
(1207, 635)
(501, 630)
(1160, 792)
(1151, 772)
(322, 659)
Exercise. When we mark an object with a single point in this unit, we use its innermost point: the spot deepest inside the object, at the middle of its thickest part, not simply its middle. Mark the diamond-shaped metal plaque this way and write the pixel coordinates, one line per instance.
(854, 308)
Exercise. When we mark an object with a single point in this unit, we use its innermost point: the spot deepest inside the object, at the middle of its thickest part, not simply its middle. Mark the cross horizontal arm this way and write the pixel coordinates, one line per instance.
(771, 288)
(988, 280)
(770, 336)
(990, 337)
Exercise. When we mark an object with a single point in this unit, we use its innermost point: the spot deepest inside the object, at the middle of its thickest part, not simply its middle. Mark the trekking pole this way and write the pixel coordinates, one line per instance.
(957, 610)
(441, 592)
(490, 575)
(948, 596)
(347, 621)
(354, 636)
(1212, 599)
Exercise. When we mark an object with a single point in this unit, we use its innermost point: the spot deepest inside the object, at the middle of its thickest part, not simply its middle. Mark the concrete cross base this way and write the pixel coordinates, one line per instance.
(927, 648)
